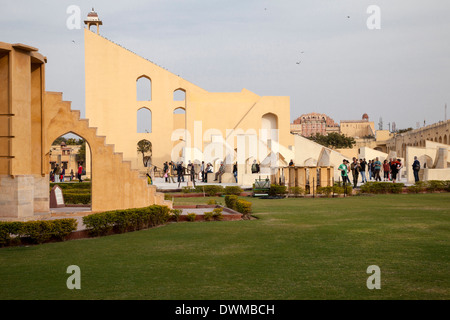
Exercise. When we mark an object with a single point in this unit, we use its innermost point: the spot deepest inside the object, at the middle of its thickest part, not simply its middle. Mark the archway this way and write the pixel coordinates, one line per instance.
(70, 168)
(269, 129)
(145, 150)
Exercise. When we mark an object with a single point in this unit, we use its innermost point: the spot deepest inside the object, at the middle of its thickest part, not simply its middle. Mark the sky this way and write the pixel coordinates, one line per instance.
(342, 58)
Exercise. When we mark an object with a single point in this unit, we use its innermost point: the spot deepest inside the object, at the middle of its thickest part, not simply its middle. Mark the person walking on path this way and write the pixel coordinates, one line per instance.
(386, 169)
(344, 171)
(377, 169)
(57, 172)
(355, 167)
(394, 169)
(363, 165)
(369, 168)
(235, 171)
(80, 172)
(416, 168)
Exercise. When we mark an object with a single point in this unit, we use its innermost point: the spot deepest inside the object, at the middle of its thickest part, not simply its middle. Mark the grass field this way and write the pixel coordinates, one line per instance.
(296, 249)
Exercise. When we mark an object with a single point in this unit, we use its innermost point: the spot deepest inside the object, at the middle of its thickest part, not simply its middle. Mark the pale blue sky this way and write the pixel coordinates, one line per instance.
(400, 72)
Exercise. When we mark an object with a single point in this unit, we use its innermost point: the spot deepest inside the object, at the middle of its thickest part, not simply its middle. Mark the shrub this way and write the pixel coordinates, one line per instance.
(277, 190)
(191, 216)
(230, 201)
(244, 207)
(382, 187)
(208, 215)
(187, 189)
(210, 190)
(296, 191)
(175, 214)
(217, 214)
(77, 198)
(233, 190)
(211, 201)
(124, 220)
(36, 231)
(325, 190)
(435, 185)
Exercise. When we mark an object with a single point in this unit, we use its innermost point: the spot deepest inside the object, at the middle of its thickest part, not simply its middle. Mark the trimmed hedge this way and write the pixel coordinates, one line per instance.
(230, 201)
(382, 187)
(233, 190)
(38, 231)
(77, 198)
(101, 223)
(277, 190)
(244, 207)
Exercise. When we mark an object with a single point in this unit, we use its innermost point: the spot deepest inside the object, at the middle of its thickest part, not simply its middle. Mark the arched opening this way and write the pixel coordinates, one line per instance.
(440, 140)
(144, 121)
(179, 118)
(445, 140)
(179, 95)
(269, 129)
(145, 151)
(143, 88)
(70, 168)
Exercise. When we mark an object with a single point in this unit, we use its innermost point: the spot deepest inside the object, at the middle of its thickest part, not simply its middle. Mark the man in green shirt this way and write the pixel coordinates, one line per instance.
(344, 171)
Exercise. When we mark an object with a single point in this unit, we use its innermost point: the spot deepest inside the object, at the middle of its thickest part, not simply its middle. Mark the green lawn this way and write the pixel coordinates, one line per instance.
(297, 249)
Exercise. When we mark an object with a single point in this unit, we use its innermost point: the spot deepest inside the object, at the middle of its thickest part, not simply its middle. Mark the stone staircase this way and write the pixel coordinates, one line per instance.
(115, 185)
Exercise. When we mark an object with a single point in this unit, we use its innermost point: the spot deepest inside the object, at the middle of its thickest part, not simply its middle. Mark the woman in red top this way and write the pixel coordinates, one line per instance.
(80, 172)
(386, 169)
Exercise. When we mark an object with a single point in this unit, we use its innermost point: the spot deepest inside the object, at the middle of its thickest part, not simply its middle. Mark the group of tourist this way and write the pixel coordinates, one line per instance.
(58, 174)
(171, 169)
(390, 170)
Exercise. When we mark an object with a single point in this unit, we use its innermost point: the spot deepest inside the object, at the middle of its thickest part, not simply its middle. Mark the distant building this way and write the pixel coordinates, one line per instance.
(358, 129)
(65, 156)
(312, 123)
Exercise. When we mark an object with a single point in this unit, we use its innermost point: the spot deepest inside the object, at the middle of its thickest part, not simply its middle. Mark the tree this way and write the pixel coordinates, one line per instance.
(81, 155)
(145, 146)
(334, 140)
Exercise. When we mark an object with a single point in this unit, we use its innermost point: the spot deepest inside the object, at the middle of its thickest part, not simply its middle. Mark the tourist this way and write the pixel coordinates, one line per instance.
(220, 172)
(63, 174)
(344, 171)
(400, 167)
(235, 171)
(72, 175)
(291, 163)
(369, 168)
(363, 164)
(416, 168)
(180, 172)
(166, 171)
(80, 172)
(386, 170)
(355, 168)
(377, 169)
(254, 167)
(394, 169)
(57, 172)
(202, 171)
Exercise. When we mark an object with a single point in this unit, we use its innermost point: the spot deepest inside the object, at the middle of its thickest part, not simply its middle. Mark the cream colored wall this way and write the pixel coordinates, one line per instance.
(111, 103)
(357, 129)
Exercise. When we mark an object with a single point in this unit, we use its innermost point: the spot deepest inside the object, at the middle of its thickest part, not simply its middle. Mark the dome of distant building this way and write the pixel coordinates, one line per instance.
(365, 116)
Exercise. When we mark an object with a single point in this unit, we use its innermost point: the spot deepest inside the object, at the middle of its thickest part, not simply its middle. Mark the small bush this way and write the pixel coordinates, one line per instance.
(325, 190)
(208, 216)
(191, 216)
(77, 198)
(211, 202)
(217, 214)
(296, 191)
(210, 190)
(244, 207)
(277, 190)
(175, 214)
(230, 201)
(233, 190)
